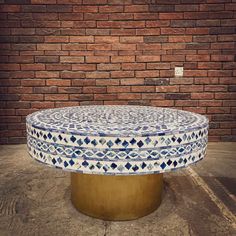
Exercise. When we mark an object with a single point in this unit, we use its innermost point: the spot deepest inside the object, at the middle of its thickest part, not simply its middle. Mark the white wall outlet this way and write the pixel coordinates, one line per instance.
(179, 71)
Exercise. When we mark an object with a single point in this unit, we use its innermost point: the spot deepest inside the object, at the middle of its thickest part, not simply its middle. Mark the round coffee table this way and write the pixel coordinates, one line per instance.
(116, 154)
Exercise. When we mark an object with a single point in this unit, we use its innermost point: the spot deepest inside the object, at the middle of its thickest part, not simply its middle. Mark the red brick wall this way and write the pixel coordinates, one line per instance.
(57, 53)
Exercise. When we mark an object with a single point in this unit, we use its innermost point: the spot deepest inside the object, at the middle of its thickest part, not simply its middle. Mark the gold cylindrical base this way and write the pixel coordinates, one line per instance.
(111, 197)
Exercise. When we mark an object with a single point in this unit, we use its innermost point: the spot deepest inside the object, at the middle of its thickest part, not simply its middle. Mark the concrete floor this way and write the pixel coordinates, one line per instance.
(35, 200)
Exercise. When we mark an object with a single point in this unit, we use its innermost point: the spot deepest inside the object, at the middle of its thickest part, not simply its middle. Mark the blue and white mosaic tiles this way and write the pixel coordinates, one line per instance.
(117, 139)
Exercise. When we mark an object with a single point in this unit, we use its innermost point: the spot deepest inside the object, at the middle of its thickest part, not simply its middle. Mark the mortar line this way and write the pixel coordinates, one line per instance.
(228, 215)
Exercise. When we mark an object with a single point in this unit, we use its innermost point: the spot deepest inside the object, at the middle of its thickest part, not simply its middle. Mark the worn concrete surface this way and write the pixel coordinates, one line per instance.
(35, 200)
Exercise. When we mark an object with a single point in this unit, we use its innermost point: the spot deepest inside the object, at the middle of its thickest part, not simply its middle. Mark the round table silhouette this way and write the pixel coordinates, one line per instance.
(116, 154)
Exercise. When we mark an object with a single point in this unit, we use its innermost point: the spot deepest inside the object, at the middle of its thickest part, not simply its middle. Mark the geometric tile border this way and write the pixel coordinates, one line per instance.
(133, 139)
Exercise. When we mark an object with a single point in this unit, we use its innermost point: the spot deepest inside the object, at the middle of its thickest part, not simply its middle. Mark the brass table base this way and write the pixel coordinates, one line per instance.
(111, 197)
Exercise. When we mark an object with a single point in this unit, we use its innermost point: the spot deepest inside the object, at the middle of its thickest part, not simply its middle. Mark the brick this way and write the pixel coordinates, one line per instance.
(122, 74)
(84, 67)
(9, 8)
(131, 39)
(196, 15)
(47, 74)
(197, 57)
(204, 39)
(70, 16)
(109, 67)
(94, 89)
(166, 73)
(172, 58)
(136, 8)
(32, 97)
(186, 7)
(209, 65)
(147, 73)
(97, 16)
(219, 132)
(222, 30)
(172, 31)
(49, 46)
(9, 97)
(125, 46)
(52, 89)
(81, 39)
(121, 16)
(153, 96)
(205, 80)
(56, 39)
(20, 31)
(222, 57)
(32, 67)
(97, 31)
(72, 74)
(158, 65)
(83, 82)
(80, 24)
(107, 97)
(94, 2)
(47, 59)
(162, 8)
(106, 39)
(183, 23)
(59, 8)
(21, 59)
(186, 103)
(56, 97)
(19, 90)
(169, 88)
(202, 96)
(133, 81)
(121, 24)
(232, 88)
(215, 88)
(226, 80)
(97, 75)
(97, 59)
(110, 9)
(58, 67)
(147, 58)
(73, 46)
(105, 53)
(129, 96)
(32, 82)
(107, 82)
(180, 39)
(118, 89)
(219, 73)
(164, 103)
(133, 66)
(218, 110)
(191, 88)
(18, 104)
(197, 31)
(71, 59)
(228, 95)
(42, 1)
(42, 105)
(143, 89)
(155, 39)
(58, 82)
(117, 59)
(85, 9)
(178, 96)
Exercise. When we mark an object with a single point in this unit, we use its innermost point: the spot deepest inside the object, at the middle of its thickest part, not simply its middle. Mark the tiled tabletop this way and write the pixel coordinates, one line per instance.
(118, 140)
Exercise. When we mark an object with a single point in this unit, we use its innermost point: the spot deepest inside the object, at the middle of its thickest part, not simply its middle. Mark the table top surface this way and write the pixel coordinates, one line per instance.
(117, 120)
(117, 140)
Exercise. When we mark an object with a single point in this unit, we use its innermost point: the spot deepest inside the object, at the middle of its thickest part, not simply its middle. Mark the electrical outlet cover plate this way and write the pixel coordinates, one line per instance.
(179, 71)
